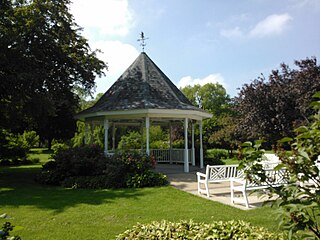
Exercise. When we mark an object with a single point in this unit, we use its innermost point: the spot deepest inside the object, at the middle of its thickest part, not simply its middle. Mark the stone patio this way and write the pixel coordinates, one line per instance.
(219, 192)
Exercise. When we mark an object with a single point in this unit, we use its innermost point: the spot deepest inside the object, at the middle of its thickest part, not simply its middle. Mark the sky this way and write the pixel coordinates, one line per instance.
(229, 42)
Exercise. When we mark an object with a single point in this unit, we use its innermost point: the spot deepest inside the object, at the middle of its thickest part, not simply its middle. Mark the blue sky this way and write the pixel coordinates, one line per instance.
(199, 41)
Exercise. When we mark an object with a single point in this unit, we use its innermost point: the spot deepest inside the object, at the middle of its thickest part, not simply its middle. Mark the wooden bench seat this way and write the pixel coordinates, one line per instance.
(275, 178)
(216, 173)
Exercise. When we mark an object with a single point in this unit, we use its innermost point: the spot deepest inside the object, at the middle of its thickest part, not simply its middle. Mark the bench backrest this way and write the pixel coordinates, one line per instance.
(222, 172)
(274, 178)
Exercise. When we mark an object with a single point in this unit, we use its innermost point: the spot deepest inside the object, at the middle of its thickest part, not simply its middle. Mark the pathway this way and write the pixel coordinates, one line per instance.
(187, 182)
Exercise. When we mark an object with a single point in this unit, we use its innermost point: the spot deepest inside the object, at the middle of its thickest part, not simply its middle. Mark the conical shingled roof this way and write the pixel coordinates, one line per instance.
(142, 86)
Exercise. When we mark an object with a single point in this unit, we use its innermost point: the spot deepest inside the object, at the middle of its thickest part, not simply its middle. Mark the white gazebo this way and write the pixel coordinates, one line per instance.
(144, 96)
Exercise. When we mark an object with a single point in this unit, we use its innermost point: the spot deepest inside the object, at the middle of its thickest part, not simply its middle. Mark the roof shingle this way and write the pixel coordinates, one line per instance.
(142, 86)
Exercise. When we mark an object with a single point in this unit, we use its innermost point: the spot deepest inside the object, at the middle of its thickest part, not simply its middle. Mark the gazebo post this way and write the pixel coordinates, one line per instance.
(201, 147)
(170, 150)
(192, 149)
(86, 129)
(113, 137)
(106, 128)
(141, 131)
(147, 135)
(91, 132)
(186, 159)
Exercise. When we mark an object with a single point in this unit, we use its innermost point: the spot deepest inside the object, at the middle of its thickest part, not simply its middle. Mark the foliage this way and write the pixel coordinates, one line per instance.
(59, 146)
(130, 141)
(211, 97)
(30, 139)
(273, 108)
(40, 208)
(192, 230)
(214, 99)
(44, 59)
(147, 179)
(12, 148)
(5, 232)
(216, 156)
(299, 200)
(87, 167)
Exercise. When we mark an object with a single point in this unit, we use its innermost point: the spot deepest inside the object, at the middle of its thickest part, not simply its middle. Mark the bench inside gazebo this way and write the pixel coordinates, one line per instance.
(144, 96)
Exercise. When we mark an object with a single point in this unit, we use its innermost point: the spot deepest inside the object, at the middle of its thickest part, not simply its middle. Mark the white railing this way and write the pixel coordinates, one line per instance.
(173, 155)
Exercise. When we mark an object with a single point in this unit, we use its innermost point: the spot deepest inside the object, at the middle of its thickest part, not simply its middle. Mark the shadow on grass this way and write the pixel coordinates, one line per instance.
(17, 188)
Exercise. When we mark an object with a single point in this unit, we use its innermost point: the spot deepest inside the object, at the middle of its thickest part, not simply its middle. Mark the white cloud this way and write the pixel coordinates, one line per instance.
(212, 78)
(232, 33)
(273, 24)
(107, 17)
(119, 57)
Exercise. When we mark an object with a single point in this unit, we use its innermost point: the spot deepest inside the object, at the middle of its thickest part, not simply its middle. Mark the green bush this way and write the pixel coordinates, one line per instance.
(29, 139)
(12, 149)
(213, 161)
(79, 161)
(5, 232)
(87, 167)
(131, 141)
(56, 147)
(218, 154)
(191, 230)
(147, 179)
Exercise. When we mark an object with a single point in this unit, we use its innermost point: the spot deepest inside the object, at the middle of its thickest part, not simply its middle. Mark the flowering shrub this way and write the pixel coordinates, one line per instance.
(5, 232)
(87, 167)
(191, 230)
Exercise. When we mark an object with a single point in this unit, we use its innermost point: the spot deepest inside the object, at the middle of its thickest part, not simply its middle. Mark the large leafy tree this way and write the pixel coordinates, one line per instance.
(273, 107)
(213, 98)
(43, 59)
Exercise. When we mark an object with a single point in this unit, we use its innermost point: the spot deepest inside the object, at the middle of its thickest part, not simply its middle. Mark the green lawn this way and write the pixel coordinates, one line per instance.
(47, 212)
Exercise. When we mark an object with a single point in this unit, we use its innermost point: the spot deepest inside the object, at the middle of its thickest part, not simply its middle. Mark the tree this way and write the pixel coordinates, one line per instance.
(43, 60)
(213, 98)
(299, 199)
(273, 108)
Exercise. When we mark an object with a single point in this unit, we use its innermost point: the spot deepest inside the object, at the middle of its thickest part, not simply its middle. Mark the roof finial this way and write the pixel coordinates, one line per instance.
(142, 39)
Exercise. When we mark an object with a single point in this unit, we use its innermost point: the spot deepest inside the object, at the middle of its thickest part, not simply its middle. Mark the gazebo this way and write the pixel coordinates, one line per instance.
(143, 96)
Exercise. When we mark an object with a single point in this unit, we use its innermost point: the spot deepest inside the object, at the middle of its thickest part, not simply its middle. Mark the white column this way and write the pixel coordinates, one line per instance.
(201, 147)
(106, 128)
(113, 137)
(147, 135)
(186, 158)
(91, 132)
(141, 131)
(192, 149)
(170, 143)
(86, 130)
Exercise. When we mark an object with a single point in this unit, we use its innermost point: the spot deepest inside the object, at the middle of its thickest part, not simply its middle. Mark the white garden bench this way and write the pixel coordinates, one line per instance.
(216, 173)
(275, 178)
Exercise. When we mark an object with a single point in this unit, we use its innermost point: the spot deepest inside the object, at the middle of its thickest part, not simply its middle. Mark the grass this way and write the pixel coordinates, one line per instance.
(41, 154)
(47, 212)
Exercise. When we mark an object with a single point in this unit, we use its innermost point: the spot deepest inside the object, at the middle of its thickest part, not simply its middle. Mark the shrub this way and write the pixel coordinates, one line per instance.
(87, 167)
(147, 179)
(79, 161)
(191, 230)
(213, 161)
(131, 141)
(218, 154)
(29, 139)
(299, 200)
(12, 149)
(56, 147)
(5, 232)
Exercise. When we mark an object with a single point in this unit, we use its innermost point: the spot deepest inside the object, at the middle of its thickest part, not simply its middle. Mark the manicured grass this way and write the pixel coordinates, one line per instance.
(42, 154)
(47, 212)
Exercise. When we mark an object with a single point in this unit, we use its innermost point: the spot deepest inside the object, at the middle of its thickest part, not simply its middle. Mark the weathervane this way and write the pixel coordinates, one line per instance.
(142, 39)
